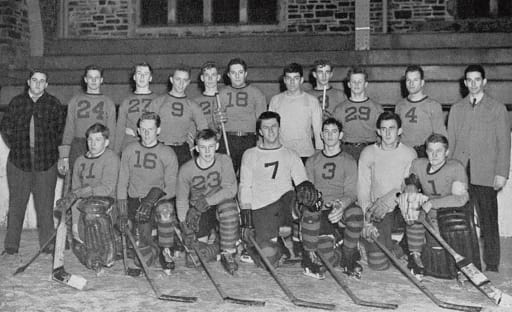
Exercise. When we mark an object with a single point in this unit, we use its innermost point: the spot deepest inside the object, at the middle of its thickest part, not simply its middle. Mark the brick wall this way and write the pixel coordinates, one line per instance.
(14, 32)
(98, 18)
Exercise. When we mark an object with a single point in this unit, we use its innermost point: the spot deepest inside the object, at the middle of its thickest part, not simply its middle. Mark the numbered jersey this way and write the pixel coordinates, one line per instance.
(439, 183)
(335, 176)
(333, 98)
(419, 120)
(208, 104)
(145, 167)
(266, 174)
(100, 173)
(359, 120)
(217, 183)
(179, 117)
(243, 106)
(84, 110)
(129, 113)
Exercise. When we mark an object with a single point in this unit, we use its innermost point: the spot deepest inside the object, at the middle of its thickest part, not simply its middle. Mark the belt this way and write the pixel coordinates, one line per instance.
(358, 143)
(239, 133)
(177, 144)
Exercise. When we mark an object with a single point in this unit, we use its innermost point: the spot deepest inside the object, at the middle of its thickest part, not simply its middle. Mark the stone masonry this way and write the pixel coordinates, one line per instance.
(98, 18)
(14, 32)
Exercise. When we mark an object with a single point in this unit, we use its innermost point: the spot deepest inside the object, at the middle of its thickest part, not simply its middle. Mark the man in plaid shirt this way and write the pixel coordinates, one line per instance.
(32, 128)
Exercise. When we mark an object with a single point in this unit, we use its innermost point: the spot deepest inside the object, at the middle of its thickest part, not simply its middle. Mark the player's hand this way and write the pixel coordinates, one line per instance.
(220, 116)
(499, 182)
(130, 131)
(427, 206)
(190, 140)
(370, 232)
(63, 165)
(337, 211)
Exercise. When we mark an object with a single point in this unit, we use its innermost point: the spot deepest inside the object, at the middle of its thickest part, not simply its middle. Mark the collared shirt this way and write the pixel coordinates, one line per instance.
(49, 119)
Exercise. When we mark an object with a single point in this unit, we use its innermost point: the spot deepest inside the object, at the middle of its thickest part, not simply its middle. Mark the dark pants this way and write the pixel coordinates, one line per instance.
(421, 151)
(182, 153)
(237, 146)
(483, 198)
(21, 183)
(354, 149)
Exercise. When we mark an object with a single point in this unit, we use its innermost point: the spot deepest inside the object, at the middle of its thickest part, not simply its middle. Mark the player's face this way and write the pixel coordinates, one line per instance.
(357, 84)
(180, 81)
(322, 75)
(93, 80)
(210, 77)
(269, 130)
(96, 143)
(237, 75)
(437, 154)
(37, 84)
(389, 132)
(148, 132)
(475, 83)
(413, 82)
(331, 135)
(207, 149)
(142, 76)
(293, 81)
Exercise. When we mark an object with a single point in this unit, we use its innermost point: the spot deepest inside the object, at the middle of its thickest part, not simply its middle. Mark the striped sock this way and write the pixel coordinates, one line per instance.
(415, 237)
(354, 220)
(310, 226)
(228, 216)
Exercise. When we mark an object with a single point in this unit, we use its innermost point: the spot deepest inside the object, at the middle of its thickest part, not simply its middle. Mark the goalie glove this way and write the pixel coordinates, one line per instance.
(147, 204)
(65, 202)
(382, 206)
(309, 196)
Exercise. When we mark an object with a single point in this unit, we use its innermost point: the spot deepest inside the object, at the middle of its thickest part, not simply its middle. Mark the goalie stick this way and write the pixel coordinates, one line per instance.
(349, 291)
(145, 268)
(421, 286)
(471, 271)
(296, 301)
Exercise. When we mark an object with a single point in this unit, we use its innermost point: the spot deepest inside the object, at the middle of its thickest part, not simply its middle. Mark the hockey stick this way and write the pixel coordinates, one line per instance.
(296, 301)
(471, 271)
(219, 106)
(125, 256)
(422, 287)
(145, 268)
(349, 291)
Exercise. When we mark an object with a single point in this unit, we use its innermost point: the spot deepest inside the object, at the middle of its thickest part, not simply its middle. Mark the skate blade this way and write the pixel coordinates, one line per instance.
(73, 281)
(318, 276)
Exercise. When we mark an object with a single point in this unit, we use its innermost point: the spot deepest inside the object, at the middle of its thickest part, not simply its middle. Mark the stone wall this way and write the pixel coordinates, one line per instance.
(98, 18)
(14, 32)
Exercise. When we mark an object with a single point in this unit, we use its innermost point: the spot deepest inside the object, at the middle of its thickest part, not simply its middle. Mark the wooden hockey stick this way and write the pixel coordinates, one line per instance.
(421, 286)
(125, 255)
(219, 107)
(349, 291)
(471, 271)
(296, 301)
(145, 268)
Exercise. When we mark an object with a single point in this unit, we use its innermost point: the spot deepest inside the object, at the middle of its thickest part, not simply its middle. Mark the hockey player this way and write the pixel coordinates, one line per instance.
(133, 106)
(242, 103)
(180, 115)
(206, 199)
(322, 72)
(301, 114)
(381, 172)
(210, 78)
(421, 115)
(266, 192)
(83, 111)
(358, 114)
(334, 174)
(148, 170)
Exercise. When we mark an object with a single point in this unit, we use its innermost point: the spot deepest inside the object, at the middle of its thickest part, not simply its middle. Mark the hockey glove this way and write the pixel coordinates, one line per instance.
(147, 204)
(192, 219)
(122, 212)
(383, 205)
(188, 235)
(201, 204)
(370, 232)
(337, 211)
(65, 202)
(247, 227)
(308, 196)
(410, 206)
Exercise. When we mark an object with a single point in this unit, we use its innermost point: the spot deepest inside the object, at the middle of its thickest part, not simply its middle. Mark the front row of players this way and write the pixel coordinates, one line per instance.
(276, 190)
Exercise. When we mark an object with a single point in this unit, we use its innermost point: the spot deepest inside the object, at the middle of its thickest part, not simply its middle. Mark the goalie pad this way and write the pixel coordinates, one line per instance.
(101, 243)
(457, 228)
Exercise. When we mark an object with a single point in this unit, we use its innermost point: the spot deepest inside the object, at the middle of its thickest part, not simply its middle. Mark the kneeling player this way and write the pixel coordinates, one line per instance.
(334, 173)
(267, 194)
(206, 199)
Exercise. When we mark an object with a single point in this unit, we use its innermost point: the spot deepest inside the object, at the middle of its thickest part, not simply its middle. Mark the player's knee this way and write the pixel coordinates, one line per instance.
(377, 261)
(165, 212)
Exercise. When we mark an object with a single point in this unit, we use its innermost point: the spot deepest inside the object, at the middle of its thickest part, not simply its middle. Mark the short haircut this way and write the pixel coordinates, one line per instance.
(208, 65)
(182, 68)
(415, 68)
(149, 116)
(437, 138)
(332, 121)
(93, 67)
(474, 68)
(98, 128)
(265, 116)
(389, 116)
(322, 63)
(236, 61)
(142, 64)
(37, 70)
(206, 134)
(357, 70)
(293, 68)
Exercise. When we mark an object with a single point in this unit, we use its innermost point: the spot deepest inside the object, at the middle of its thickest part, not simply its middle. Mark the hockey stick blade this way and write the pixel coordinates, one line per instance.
(421, 286)
(245, 301)
(177, 298)
(284, 287)
(349, 291)
(476, 277)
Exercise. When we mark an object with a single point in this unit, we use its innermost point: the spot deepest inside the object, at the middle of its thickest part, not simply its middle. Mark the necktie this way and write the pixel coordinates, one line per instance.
(474, 102)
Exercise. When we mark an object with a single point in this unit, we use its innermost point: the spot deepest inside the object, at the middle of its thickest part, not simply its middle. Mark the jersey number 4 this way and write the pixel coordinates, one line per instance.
(411, 115)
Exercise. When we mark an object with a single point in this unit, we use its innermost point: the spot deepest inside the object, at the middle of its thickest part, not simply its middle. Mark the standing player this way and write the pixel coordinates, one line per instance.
(382, 169)
(83, 111)
(146, 165)
(358, 114)
(266, 192)
(301, 114)
(207, 100)
(206, 193)
(242, 103)
(334, 173)
(133, 106)
(180, 115)
(421, 115)
(323, 72)
(479, 133)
